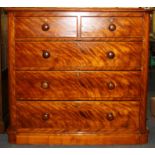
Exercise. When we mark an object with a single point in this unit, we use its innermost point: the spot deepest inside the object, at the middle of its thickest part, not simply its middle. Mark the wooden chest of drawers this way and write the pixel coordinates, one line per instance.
(78, 75)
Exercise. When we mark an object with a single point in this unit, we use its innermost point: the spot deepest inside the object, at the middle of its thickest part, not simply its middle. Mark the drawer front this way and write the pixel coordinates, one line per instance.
(76, 85)
(78, 56)
(45, 27)
(112, 27)
(85, 116)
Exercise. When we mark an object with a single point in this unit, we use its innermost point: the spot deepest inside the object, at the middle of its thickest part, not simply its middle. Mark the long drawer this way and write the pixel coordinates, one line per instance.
(82, 116)
(78, 55)
(74, 85)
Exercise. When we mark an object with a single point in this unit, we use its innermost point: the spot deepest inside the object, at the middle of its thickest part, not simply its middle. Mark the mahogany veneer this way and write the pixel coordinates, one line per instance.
(59, 27)
(74, 85)
(78, 75)
(85, 56)
(88, 116)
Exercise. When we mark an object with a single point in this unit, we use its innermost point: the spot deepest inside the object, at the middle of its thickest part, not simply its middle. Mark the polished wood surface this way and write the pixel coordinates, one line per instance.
(79, 117)
(11, 72)
(78, 55)
(79, 139)
(57, 27)
(76, 85)
(111, 27)
(78, 76)
(145, 63)
(90, 27)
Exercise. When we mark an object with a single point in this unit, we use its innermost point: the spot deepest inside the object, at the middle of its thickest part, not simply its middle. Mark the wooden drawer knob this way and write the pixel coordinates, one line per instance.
(110, 117)
(46, 54)
(111, 85)
(45, 27)
(45, 85)
(110, 55)
(112, 27)
(45, 116)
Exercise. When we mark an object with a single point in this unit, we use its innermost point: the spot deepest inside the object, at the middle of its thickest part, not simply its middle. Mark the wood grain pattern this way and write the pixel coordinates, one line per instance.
(77, 13)
(59, 27)
(79, 95)
(145, 72)
(99, 27)
(75, 85)
(79, 117)
(120, 39)
(11, 73)
(81, 139)
(78, 55)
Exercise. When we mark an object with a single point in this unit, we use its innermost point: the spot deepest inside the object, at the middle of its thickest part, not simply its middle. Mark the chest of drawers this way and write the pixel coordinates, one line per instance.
(78, 75)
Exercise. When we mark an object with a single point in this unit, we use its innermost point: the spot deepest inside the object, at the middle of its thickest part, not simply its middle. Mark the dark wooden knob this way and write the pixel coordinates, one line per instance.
(111, 85)
(45, 85)
(110, 116)
(45, 116)
(112, 27)
(110, 55)
(46, 54)
(45, 27)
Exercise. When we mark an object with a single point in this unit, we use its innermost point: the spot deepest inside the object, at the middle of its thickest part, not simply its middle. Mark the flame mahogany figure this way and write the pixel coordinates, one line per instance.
(78, 76)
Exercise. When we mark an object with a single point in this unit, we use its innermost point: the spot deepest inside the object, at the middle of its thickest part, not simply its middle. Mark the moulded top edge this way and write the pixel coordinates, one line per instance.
(77, 9)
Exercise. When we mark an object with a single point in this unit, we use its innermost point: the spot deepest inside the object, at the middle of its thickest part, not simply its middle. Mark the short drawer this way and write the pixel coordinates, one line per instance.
(68, 85)
(79, 116)
(112, 27)
(78, 55)
(45, 27)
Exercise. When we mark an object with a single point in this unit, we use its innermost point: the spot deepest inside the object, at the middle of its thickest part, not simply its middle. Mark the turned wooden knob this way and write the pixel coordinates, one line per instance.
(46, 54)
(45, 116)
(110, 116)
(112, 27)
(110, 55)
(45, 27)
(45, 85)
(111, 85)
